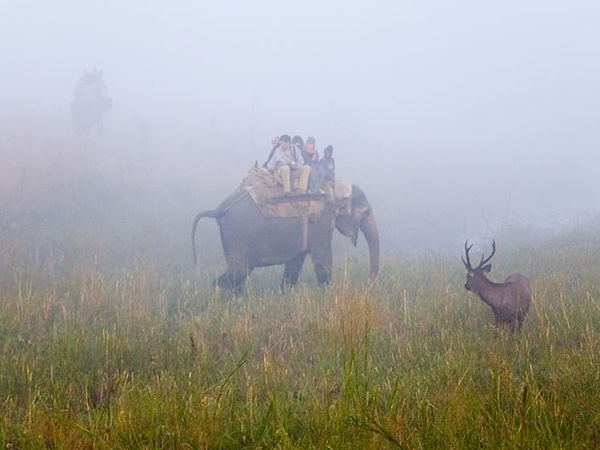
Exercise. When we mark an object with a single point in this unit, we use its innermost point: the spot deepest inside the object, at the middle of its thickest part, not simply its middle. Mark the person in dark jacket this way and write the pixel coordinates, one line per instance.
(316, 178)
(328, 164)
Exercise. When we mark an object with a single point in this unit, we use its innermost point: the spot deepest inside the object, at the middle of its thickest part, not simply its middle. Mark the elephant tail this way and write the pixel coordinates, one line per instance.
(213, 214)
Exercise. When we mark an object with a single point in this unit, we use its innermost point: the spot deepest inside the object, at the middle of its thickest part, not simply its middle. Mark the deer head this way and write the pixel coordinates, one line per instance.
(474, 273)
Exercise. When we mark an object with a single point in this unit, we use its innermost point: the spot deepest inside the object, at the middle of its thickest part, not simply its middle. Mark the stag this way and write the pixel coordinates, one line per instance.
(510, 300)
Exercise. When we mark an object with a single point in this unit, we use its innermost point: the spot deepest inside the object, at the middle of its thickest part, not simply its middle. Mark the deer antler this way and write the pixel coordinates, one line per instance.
(482, 262)
(467, 263)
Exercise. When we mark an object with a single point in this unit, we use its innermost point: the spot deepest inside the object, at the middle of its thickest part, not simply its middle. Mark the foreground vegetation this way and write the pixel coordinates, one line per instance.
(109, 340)
(139, 359)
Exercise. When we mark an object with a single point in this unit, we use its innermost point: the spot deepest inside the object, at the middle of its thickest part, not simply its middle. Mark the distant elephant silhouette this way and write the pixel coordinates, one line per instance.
(89, 104)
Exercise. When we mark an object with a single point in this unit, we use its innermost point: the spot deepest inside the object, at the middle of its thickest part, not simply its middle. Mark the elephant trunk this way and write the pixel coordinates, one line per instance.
(369, 229)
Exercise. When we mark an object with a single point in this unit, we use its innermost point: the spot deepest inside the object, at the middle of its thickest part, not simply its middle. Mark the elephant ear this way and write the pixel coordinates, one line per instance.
(348, 226)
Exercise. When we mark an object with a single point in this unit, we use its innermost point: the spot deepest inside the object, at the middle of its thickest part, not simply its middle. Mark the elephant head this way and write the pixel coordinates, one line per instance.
(360, 216)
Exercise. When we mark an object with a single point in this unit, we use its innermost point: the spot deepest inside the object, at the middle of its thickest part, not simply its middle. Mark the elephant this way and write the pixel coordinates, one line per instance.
(90, 103)
(250, 240)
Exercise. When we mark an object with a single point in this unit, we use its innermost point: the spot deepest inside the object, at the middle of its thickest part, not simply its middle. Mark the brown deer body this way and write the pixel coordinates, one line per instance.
(509, 301)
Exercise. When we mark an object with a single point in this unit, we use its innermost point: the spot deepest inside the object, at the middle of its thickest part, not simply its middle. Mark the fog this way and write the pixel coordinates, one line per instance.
(457, 119)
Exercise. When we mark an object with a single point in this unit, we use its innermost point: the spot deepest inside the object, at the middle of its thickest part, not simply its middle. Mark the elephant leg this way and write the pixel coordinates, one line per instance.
(230, 280)
(320, 235)
(323, 271)
(322, 259)
(292, 271)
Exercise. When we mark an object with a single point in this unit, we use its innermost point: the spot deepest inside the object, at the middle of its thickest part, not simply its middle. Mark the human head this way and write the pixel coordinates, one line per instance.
(327, 151)
(310, 145)
(284, 139)
(298, 141)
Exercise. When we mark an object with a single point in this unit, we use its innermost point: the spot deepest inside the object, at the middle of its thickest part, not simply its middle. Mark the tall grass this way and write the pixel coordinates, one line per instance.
(139, 359)
(109, 339)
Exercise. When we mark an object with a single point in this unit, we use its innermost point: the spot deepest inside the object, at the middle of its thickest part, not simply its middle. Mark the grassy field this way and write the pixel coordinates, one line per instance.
(139, 359)
(109, 340)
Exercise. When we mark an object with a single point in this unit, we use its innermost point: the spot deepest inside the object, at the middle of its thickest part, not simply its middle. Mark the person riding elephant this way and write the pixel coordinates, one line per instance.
(316, 179)
(283, 160)
(90, 103)
(328, 164)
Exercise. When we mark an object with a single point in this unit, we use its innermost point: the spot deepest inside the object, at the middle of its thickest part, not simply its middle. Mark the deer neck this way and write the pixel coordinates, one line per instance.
(486, 290)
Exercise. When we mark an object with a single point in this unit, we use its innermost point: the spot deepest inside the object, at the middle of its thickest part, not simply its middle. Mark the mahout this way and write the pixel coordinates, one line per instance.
(509, 300)
(90, 103)
(250, 239)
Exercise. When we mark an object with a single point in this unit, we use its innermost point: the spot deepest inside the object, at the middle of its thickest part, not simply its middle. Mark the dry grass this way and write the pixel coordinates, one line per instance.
(108, 339)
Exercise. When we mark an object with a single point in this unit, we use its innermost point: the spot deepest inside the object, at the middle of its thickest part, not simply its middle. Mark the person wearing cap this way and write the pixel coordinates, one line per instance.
(286, 159)
(316, 178)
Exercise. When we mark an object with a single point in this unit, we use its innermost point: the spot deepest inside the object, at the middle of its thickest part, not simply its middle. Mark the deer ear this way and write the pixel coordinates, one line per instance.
(487, 268)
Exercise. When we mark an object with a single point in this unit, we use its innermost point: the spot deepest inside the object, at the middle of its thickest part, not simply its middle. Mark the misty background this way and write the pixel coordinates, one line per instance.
(458, 119)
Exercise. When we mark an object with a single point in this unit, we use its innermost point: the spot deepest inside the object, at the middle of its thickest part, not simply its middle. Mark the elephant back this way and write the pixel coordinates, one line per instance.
(267, 194)
(263, 184)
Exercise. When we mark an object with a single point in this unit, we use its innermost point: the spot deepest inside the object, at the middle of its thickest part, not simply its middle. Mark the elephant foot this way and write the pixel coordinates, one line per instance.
(324, 278)
(228, 281)
(288, 283)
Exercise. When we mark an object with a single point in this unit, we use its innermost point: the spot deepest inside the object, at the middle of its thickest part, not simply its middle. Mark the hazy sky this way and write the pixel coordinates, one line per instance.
(479, 109)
